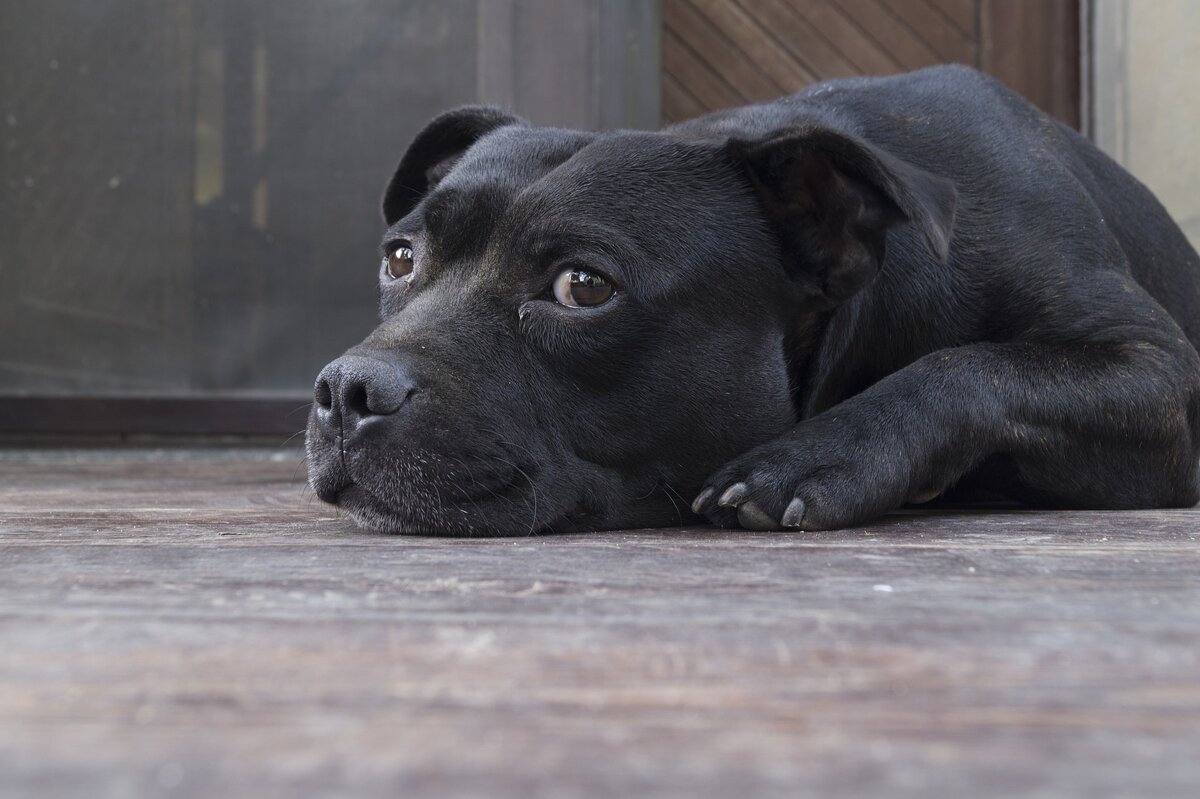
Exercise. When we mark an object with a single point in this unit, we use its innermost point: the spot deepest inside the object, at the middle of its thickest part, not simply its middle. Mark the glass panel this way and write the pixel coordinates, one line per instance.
(189, 190)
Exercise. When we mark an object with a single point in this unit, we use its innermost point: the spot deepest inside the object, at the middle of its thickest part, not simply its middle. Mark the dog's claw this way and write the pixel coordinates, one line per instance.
(702, 499)
(752, 517)
(794, 515)
(733, 495)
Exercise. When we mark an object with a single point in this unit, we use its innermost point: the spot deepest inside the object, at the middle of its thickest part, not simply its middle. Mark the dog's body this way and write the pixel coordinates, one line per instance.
(810, 311)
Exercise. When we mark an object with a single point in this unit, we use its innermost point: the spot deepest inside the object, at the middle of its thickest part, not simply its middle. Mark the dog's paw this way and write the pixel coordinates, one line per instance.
(804, 482)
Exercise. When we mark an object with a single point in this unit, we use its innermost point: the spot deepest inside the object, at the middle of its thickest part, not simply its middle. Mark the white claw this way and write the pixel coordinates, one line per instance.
(752, 517)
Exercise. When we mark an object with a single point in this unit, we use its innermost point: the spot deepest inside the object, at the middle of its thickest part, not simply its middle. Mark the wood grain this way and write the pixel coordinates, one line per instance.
(196, 624)
(1031, 45)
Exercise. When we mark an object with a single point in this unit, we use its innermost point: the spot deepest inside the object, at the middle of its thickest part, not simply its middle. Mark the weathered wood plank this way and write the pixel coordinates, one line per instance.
(748, 36)
(712, 47)
(888, 33)
(678, 101)
(802, 41)
(947, 41)
(681, 62)
(191, 623)
(960, 12)
(846, 35)
(1033, 46)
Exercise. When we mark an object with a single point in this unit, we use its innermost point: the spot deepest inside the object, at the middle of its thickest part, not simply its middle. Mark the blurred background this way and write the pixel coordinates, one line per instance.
(189, 188)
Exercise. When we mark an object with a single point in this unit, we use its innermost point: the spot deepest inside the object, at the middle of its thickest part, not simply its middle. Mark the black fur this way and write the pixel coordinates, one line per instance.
(875, 292)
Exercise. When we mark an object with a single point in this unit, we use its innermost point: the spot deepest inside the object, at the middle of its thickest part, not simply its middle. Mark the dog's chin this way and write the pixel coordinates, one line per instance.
(508, 515)
(518, 516)
(398, 497)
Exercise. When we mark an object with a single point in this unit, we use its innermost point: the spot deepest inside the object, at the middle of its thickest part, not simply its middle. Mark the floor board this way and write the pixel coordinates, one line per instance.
(197, 624)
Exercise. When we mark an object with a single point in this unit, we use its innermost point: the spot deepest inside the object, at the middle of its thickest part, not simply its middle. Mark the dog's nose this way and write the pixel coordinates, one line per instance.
(354, 390)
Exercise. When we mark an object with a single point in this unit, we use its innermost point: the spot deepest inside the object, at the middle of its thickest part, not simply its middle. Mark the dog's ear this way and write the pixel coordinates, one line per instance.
(832, 198)
(434, 152)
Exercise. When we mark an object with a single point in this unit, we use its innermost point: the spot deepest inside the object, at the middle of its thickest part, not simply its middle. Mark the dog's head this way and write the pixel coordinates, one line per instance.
(578, 328)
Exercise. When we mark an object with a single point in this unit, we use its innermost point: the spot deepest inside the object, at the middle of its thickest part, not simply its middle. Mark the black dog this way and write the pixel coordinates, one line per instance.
(809, 312)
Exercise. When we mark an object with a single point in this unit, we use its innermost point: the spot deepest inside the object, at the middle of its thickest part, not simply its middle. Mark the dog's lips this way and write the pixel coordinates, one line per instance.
(329, 490)
(480, 504)
(368, 511)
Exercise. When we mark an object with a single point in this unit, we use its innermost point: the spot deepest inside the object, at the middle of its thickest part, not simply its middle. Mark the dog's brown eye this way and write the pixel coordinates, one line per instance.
(579, 288)
(400, 263)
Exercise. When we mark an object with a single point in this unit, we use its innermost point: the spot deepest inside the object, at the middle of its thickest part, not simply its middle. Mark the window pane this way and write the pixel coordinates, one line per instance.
(189, 190)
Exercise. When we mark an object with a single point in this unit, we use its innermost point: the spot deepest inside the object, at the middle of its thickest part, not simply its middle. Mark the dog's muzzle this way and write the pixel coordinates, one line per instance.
(356, 394)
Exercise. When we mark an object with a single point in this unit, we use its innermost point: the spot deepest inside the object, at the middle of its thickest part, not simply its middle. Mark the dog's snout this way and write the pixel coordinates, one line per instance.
(355, 389)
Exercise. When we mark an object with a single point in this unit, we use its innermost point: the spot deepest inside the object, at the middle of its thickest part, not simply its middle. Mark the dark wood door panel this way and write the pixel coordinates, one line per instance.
(751, 45)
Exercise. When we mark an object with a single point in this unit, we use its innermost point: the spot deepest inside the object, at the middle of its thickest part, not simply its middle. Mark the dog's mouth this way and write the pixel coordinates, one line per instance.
(369, 511)
(415, 499)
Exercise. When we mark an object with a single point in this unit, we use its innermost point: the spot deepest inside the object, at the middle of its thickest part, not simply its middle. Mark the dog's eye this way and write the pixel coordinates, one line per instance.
(400, 262)
(580, 288)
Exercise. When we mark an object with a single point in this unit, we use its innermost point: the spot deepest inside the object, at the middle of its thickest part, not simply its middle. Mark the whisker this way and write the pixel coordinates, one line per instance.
(292, 412)
(668, 490)
(288, 440)
(474, 504)
(532, 491)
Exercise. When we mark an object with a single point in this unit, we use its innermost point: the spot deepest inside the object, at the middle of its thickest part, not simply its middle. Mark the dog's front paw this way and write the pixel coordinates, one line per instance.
(813, 481)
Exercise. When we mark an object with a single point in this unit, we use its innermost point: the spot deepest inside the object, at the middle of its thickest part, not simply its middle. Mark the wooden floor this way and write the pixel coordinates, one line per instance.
(196, 624)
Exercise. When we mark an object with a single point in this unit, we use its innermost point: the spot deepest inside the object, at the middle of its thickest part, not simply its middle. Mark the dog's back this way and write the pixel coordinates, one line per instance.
(1160, 257)
(1053, 174)
(1028, 187)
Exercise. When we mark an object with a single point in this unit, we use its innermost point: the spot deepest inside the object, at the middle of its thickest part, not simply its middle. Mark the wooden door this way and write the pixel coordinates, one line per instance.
(721, 53)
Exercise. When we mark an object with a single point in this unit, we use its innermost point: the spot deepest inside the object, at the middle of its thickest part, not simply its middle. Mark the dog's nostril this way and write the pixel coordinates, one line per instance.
(356, 400)
(324, 395)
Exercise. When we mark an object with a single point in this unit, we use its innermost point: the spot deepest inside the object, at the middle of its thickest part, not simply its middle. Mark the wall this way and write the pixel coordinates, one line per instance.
(1145, 97)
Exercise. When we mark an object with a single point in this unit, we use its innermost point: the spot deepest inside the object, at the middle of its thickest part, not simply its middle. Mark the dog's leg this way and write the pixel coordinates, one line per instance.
(1096, 425)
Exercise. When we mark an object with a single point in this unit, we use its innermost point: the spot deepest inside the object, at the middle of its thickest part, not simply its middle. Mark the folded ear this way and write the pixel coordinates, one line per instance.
(832, 197)
(434, 152)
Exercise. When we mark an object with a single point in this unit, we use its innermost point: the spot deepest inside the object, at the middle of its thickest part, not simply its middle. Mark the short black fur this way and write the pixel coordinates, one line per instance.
(877, 292)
